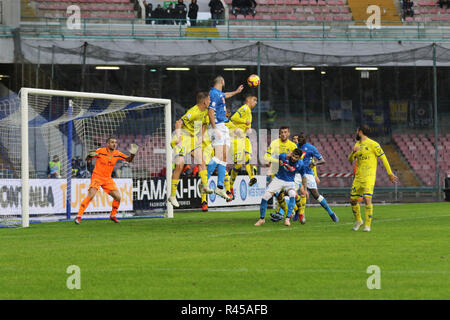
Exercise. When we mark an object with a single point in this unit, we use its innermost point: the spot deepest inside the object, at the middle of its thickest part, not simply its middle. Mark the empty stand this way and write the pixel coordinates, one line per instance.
(299, 11)
(429, 11)
(419, 151)
(102, 9)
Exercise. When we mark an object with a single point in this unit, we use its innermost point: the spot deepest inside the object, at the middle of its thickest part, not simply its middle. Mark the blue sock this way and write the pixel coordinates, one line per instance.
(211, 167)
(325, 205)
(263, 208)
(220, 175)
(291, 205)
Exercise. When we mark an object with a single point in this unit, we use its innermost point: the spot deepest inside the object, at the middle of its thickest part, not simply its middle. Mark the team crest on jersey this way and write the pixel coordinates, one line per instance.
(188, 116)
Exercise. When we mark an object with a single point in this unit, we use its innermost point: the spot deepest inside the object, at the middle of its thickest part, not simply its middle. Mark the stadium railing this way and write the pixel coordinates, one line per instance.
(44, 27)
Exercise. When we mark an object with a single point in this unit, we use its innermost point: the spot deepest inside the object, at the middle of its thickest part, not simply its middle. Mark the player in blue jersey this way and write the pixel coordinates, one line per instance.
(284, 180)
(309, 153)
(219, 133)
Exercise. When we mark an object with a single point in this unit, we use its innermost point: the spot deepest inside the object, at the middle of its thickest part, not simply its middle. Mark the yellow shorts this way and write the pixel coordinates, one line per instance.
(208, 151)
(186, 146)
(362, 188)
(242, 150)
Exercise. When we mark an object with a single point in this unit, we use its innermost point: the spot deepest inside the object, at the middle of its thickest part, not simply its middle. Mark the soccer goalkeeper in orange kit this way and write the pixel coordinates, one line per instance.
(101, 176)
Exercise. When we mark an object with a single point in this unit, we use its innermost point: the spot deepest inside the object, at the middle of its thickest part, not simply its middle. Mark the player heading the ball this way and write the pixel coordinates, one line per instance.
(219, 133)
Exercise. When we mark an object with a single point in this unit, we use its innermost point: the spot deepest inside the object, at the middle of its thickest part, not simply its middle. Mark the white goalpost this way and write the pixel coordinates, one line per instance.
(45, 136)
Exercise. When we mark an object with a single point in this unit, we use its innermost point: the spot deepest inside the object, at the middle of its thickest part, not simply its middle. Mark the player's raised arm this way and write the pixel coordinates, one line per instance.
(235, 92)
(133, 149)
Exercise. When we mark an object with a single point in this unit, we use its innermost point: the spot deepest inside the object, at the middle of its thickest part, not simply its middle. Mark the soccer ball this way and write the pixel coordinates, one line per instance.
(253, 81)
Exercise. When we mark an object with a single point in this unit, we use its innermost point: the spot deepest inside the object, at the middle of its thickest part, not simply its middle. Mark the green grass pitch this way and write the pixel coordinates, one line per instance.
(221, 255)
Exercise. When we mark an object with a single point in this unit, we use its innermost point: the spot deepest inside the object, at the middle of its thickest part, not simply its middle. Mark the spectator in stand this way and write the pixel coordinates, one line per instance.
(125, 171)
(137, 8)
(252, 8)
(170, 14)
(76, 167)
(443, 2)
(159, 14)
(180, 12)
(148, 13)
(54, 168)
(195, 171)
(83, 172)
(187, 171)
(193, 11)
(216, 10)
(243, 7)
(236, 7)
(408, 8)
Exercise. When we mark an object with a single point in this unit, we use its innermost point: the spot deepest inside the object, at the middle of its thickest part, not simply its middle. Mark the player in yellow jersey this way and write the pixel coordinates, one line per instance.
(278, 146)
(366, 152)
(208, 154)
(242, 119)
(187, 139)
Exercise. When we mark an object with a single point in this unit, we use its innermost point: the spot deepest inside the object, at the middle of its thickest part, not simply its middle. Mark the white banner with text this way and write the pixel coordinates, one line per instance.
(48, 196)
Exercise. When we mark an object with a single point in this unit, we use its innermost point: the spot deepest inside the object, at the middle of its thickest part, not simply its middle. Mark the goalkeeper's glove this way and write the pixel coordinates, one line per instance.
(133, 148)
(92, 153)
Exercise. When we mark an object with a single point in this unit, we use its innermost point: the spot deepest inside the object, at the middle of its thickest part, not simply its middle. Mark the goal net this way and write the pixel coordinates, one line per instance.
(45, 136)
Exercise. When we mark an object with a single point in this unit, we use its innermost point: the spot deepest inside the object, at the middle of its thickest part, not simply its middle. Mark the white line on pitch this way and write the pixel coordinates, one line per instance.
(318, 226)
(297, 270)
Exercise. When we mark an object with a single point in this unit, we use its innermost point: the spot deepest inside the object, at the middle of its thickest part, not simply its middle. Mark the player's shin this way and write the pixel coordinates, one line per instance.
(173, 192)
(248, 167)
(234, 173)
(221, 174)
(323, 202)
(369, 214)
(204, 199)
(212, 166)
(357, 211)
(115, 207)
(226, 182)
(83, 206)
(282, 203)
(302, 204)
(290, 206)
(263, 208)
(203, 177)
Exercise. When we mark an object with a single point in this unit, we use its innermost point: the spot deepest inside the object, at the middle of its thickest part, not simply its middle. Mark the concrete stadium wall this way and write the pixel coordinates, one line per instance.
(10, 14)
